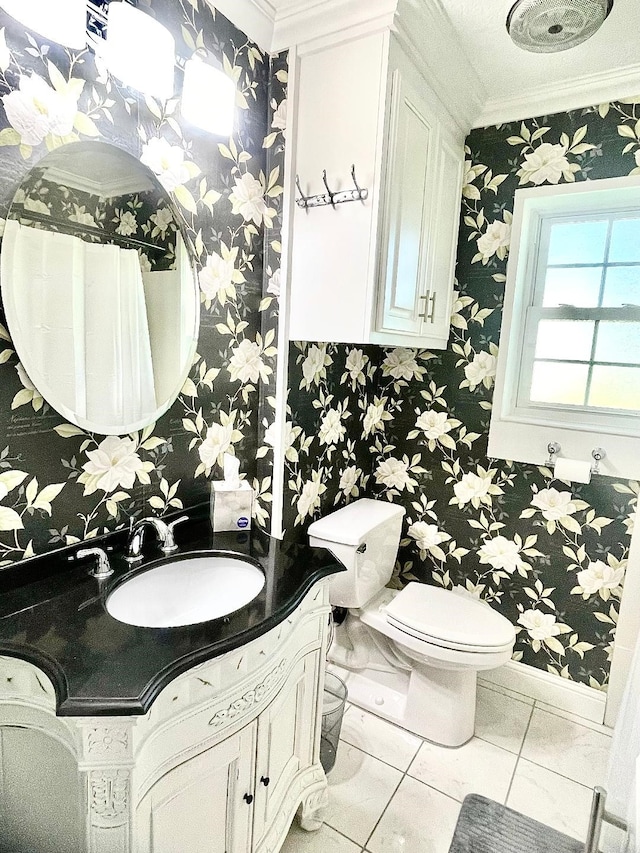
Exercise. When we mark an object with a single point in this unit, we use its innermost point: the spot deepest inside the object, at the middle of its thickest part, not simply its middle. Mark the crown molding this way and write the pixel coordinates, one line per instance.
(428, 36)
(255, 18)
(574, 94)
(298, 22)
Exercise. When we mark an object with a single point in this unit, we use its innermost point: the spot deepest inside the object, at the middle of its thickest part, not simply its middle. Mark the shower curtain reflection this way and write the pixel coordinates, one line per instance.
(82, 308)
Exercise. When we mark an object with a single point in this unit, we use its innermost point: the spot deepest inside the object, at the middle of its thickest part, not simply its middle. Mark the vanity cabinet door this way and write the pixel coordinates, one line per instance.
(203, 805)
(286, 740)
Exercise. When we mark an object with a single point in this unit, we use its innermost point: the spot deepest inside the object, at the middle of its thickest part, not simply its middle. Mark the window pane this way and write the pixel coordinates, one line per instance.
(565, 339)
(625, 240)
(579, 287)
(555, 382)
(622, 286)
(618, 342)
(578, 242)
(615, 387)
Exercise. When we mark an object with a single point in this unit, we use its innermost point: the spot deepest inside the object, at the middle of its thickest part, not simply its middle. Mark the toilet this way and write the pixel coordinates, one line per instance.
(412, 656)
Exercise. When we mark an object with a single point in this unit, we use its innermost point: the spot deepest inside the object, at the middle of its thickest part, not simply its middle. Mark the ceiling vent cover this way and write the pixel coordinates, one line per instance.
(548, 26)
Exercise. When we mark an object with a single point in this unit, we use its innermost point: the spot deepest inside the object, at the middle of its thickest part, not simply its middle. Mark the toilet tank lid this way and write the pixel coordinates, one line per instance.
(351, 524)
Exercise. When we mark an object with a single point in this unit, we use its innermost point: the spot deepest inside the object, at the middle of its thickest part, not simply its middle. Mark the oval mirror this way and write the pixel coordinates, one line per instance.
(98, 288)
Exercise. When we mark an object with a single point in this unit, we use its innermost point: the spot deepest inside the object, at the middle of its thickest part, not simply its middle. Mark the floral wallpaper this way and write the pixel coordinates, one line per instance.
(411, 426)
(58, 483)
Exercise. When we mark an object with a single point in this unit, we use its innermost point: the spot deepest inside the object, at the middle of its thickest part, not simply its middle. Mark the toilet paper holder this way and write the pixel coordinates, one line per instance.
(597, 454)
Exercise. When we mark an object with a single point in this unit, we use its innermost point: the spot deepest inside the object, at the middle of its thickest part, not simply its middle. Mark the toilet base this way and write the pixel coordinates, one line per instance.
(436, 704)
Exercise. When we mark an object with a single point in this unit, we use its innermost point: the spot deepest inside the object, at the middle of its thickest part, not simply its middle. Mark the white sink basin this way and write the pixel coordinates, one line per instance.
(186, 592)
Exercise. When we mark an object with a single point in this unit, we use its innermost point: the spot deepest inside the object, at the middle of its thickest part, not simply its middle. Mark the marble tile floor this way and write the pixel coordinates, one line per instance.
(392, 792)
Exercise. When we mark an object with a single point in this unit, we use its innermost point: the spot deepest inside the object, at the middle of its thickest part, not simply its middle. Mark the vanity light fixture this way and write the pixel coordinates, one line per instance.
(208, 97)
(139, 50)
(64, 21)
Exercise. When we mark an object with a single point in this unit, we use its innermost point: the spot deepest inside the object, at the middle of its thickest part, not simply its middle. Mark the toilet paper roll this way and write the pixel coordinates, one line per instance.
(572, 470)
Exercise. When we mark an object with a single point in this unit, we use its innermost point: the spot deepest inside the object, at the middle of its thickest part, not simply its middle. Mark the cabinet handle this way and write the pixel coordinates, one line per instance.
(265, 781)
(432, 307)
(248, 798)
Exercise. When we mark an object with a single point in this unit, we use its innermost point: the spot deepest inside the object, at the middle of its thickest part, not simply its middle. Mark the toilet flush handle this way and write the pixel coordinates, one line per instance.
(361, 548)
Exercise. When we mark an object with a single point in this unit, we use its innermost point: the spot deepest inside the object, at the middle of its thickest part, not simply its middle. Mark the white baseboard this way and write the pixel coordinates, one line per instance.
(537, 684)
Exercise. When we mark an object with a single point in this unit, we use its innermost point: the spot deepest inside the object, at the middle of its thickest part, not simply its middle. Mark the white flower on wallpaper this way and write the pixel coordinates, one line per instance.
(82, 216)
(167, 162)
(314, 366)
(540, 626)
(601, 579)
(219, 439)
(428, 538)
(127, 224)
(475, 488)
(350, 477)
(273, 288)
(219, 276)
(37, 206)
(482, 370)
(309, 500)
(279, 120)
(355, 366)
(547, 165)
(163, 221)
(114, 464)
(375, 417)
(495, 240)
(401, 363)
(435, 426)
(332, 429)
(36, 110)
(394, 474)
(246, 363)
(502, 553)
(248, 200)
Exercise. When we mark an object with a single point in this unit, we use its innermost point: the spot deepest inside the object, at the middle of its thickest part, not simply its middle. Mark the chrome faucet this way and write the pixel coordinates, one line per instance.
(102, 568)
(164, 534)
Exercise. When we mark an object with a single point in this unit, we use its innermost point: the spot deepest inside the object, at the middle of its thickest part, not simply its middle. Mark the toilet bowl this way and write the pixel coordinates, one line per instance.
(410, 656)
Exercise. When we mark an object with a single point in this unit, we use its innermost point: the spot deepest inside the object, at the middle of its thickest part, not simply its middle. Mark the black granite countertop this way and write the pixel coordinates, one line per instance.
(52, 613)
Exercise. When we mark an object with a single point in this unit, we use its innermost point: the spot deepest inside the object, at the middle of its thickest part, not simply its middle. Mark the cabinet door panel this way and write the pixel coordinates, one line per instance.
(286, 738)
(409, 193)
(200, 806)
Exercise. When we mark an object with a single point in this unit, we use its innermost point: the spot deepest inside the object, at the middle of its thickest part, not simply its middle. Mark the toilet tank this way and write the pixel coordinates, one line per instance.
(364, 536)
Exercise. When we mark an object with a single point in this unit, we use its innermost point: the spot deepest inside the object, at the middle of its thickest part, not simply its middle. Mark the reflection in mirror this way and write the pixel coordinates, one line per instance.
(98, 288)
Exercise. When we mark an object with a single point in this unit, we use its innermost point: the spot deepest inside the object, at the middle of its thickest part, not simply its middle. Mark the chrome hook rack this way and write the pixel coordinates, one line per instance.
(331, 198)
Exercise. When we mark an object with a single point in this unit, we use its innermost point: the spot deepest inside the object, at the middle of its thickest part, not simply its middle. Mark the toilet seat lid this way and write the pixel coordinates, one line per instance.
(449, 618)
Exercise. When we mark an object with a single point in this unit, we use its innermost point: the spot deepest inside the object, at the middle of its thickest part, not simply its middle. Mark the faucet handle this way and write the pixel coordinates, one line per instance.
(103, 568)
(170, 544)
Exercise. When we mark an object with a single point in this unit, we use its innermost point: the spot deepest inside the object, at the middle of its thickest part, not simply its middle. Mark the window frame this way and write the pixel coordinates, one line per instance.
(578, 429)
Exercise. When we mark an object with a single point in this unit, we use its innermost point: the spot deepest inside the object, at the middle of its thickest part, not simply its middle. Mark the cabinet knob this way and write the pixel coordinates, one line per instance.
(265, 781)
(248, 798)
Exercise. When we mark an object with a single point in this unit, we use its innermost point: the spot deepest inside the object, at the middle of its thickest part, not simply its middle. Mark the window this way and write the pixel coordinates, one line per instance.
(569, 361)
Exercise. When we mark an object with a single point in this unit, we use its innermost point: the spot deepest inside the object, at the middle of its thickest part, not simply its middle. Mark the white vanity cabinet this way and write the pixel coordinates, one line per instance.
(379, 271)
(221, 762)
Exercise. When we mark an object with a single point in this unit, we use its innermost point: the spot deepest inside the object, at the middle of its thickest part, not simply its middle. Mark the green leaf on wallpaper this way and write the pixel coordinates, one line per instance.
(156, 502)
(189, 389)
(68, 430)
(270, 139)
(45, 498)
(84, 124)
(9, 136)
(26, 151)
(185, 199)
(188, 38)
(4, 335)
(625, 130)
(5, 355)
(9, 519)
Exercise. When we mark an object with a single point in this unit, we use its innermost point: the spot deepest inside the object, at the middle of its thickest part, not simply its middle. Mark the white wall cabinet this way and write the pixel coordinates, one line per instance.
(382, 270)
(226, 755)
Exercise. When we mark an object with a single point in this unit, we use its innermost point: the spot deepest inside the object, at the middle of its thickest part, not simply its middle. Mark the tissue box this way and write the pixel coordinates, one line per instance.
(231, 506)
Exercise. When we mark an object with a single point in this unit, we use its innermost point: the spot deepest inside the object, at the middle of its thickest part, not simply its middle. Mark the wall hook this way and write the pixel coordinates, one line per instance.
(303, 201)
(330, 193)
(362, 193)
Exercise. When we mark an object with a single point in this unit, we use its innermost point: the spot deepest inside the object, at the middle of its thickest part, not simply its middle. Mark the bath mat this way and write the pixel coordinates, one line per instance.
(485, 826)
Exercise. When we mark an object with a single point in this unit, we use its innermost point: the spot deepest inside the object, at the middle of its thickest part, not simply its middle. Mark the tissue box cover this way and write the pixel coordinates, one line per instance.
(231, 507)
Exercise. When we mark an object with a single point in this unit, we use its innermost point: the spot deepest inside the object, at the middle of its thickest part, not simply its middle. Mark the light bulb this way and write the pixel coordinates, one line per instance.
(208, 98)
(64, 22)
